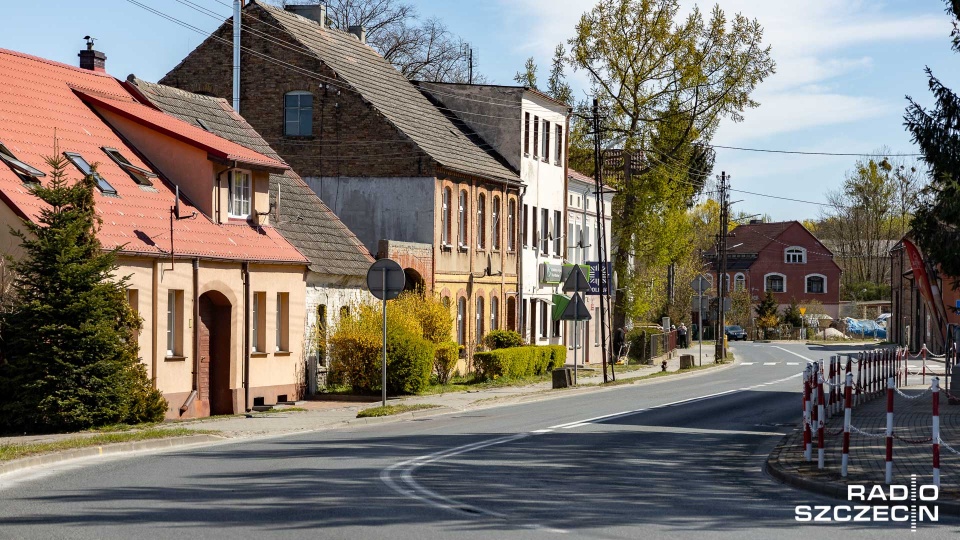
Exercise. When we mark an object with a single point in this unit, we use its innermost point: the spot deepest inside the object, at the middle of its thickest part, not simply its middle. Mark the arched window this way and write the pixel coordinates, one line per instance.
(461, 320)
(795, 255)
(739, 282)
(512, 226)
(816, 284)
(445, 218)
(298, 114)
(480, 318)
(512, 314)
(726, 282)
(775, 282)
(463, 221)
(494, 313)
(495, 223)
(481, 221)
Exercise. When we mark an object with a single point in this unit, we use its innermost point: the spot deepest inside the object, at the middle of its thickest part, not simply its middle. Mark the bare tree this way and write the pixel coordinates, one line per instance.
(422, 49)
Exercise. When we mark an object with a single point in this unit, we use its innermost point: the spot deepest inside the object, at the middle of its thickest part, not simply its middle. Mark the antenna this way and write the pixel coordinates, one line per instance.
(176, 203)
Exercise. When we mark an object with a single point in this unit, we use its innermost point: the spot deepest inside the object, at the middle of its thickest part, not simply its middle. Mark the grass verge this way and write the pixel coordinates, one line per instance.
(15, 451)
(390, 410)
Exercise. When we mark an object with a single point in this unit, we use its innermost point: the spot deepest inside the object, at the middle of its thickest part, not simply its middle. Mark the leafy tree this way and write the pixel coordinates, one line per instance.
(664, 84)
(740, 304)
(70, 353)
(767, 312)
(527, 77)
(791, 314)
(936, 223)
(557, 86)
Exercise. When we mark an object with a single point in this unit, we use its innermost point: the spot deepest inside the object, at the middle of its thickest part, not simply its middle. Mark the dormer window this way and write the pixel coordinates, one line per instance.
(84, 167)
(27, 174)
(795, 255)
(140, 176)
(239, 184)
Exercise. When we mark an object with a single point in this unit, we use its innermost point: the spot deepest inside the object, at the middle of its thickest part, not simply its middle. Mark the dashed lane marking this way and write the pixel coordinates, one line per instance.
(770, 363)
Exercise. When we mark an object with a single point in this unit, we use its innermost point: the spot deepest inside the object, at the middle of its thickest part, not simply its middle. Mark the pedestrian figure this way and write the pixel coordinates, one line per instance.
(682, 336)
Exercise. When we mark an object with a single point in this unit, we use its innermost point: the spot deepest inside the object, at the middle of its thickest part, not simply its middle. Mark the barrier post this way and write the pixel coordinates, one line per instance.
(923, 351)
(889, 475)
(829, 398)
(935, 388)
(847, 409)
(807, 413)
(859, 378)
(820, 419)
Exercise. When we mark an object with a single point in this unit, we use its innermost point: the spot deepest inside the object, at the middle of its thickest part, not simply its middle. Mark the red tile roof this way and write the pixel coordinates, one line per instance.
(41, 114)
(577, 175)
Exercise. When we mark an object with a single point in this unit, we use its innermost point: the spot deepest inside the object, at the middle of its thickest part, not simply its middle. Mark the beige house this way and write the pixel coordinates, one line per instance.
(220, 291)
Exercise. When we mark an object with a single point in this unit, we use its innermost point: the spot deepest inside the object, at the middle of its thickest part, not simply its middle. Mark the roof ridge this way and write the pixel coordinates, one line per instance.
(54, 63)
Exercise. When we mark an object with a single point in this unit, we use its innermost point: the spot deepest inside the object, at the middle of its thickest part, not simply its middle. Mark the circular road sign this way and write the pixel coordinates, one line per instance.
(386, 279)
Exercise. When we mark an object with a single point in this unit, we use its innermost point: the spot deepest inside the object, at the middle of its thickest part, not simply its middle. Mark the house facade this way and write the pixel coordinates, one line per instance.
(529, 130)
(582, 222)
(219, 290)
(410, 182)
(783, 258)
(336, 277)
(913, 321)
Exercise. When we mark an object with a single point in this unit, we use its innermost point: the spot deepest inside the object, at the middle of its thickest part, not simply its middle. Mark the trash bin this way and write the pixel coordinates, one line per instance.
(563, 377)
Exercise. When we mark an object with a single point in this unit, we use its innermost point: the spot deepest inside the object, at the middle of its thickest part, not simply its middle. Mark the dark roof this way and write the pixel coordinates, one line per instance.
(305, 221)
(391, 94)
(755, 236)
(517, 90)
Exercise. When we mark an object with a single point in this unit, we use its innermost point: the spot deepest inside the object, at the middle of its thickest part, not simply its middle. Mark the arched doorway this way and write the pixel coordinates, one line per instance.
(215, 313)
(414, 281)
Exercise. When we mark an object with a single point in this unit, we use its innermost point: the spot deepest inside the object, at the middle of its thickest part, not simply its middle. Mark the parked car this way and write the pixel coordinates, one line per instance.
(735, 333)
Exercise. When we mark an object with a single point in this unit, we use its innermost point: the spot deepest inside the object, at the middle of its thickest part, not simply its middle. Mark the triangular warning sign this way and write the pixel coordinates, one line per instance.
(576, 281)
(576, 310)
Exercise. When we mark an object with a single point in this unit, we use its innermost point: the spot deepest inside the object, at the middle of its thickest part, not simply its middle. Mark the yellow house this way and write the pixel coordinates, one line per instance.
(221, 293)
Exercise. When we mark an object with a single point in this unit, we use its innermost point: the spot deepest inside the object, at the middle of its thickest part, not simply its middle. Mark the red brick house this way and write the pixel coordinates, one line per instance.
(784, 258)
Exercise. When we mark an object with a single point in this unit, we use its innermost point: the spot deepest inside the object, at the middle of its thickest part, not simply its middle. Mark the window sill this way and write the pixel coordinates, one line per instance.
(257, 354)
(174, 358)
(463, 249)
(299, 137)
(282, 353)
(446, 247)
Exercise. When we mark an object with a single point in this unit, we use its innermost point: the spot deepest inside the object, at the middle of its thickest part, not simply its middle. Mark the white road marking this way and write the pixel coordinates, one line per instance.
(793, 353)
(746, 363)
(793, 363)
(770, 363)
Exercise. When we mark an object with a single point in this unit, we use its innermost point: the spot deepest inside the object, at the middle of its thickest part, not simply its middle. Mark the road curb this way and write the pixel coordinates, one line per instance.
(105, 450)
(834, 490)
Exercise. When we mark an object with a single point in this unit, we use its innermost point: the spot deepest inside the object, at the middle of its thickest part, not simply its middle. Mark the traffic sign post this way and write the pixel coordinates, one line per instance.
(385, 280)
(700, 284)
(576, 309)
(803, 311)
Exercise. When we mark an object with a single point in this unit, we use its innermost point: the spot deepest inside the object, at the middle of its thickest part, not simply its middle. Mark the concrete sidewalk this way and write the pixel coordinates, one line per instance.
(324, 414)
(912, 451)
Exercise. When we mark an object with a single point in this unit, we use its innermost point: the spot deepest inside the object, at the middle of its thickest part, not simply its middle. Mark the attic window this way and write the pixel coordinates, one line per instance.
(140, 176)
(27, 174)
(201, 124)
(84, 168)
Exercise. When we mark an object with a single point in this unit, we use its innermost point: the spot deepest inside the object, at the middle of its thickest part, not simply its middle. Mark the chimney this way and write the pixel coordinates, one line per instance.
(360, 32)
(755, 221)
(91, 59)
(314, 12)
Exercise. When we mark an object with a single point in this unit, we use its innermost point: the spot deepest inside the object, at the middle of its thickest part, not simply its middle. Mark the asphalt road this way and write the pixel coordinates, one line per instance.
(678, 458)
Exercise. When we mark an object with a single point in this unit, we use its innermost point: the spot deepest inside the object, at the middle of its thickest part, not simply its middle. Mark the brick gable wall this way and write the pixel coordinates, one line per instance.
(350, 138)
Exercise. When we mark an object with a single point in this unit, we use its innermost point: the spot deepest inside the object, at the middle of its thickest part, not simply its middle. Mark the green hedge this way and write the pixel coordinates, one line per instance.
(502, 339)
(518, 362)
(409, 363)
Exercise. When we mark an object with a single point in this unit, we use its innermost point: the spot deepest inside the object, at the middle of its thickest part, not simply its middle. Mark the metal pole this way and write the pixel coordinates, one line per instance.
(576, 341)
(601, 238)
(236, 55)
(700, 325)
(384, 359)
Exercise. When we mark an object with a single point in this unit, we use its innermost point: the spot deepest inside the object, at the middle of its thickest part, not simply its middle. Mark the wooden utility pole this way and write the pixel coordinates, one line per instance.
(724, 197)
(602, 255)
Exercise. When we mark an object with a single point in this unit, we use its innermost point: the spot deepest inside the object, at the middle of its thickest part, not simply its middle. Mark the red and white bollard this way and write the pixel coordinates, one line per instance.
(935, 388)
(889, 475)
(820, 418)
(847, 407)
(807, 413)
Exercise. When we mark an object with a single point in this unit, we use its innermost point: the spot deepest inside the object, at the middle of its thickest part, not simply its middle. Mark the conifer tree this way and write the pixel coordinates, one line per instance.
(69, 347)
(936, 222)
(767, 312)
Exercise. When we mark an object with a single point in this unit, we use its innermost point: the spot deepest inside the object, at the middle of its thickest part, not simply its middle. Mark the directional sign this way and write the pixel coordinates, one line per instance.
(576, 310)
(576, 281)
(386, 279)
(700, 284)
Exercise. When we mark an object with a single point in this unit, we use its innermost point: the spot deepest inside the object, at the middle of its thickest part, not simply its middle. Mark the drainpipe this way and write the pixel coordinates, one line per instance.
(155, 308)
(245, 270)
(196, 325)
(520, 210)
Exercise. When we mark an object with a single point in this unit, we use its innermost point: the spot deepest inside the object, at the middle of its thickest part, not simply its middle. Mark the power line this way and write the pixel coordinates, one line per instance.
(782, 198)
(805, 153)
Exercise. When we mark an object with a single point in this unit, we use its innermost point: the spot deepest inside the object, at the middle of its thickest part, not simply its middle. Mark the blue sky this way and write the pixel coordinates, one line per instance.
(844, 67)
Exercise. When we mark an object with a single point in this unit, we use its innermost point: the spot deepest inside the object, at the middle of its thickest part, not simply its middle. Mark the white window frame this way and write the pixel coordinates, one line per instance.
(481, 221)
(806, 287)
(171, 323)
(739, 279)
(445, 217)
(239, 200)
(792, 250)
(782, 276)
(462, 201)
(461, 321)
(511, 225)
(495, 223)
(494, 313)
(480, 318)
